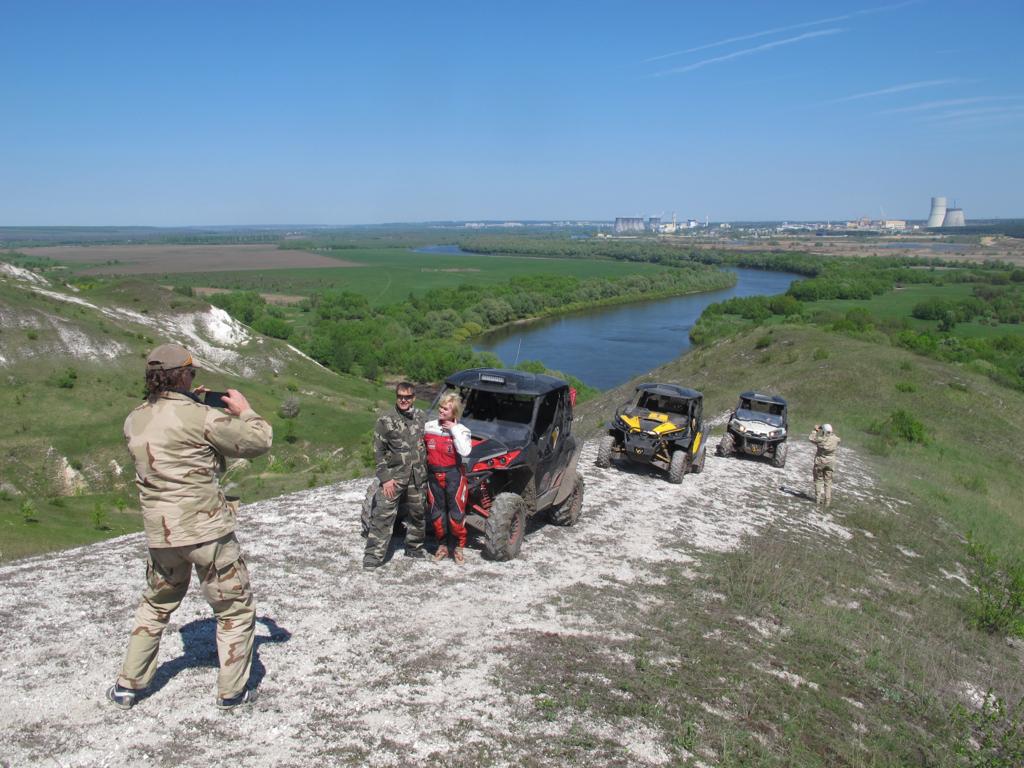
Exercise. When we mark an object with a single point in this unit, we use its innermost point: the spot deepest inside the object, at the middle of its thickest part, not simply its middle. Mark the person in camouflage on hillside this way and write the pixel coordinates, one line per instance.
(179, 446)
(827, 443)
(402, 472)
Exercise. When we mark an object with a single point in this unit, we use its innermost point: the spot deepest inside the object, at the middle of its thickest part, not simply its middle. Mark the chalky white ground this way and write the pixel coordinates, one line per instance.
(402, 662)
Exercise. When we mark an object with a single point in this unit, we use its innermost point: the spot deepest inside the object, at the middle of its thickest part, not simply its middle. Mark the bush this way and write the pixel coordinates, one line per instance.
(274, 327)
(99, 517)
(998, 605)
(66, 379)
(905, 386)
(820, 354)
(28, 511)
(763, 342)
(990, 737)
(289, 409)
(900, 426)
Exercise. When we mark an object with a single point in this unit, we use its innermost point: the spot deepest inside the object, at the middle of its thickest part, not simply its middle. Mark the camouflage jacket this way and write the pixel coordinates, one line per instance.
(398, 446)
(179, 447)
(827, 446)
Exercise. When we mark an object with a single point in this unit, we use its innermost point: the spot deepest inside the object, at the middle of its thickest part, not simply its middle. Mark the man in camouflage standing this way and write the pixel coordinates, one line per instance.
(827, 443)
(402, 472)
(179, 446)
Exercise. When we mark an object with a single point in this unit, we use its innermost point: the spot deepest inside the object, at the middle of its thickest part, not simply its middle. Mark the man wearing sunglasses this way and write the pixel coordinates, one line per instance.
(402, 471)
(179, 446)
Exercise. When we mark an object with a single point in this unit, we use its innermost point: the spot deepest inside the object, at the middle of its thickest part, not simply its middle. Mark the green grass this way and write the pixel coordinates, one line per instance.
(884, 642)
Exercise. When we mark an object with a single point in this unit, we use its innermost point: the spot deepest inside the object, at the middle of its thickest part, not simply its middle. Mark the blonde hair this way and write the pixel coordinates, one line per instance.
(455, 400)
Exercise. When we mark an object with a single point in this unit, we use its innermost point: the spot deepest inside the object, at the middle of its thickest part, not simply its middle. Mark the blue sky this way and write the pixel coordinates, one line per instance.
(216, 112)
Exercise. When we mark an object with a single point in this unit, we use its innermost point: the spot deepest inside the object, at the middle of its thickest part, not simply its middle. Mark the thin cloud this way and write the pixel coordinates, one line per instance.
(747, 52)
(897, 89)
(942, 104)
(960, 114)
(777, 30)
(968, 121)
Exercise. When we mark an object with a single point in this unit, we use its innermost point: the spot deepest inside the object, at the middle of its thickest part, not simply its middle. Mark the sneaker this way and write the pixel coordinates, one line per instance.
(458, 557)
(441, 554)
(416, 554)
(245, 697)
(121, 697)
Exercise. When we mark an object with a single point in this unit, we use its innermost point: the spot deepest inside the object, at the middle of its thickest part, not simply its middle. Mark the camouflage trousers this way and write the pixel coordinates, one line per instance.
(382, 521)
(224, 581)
(823, 483)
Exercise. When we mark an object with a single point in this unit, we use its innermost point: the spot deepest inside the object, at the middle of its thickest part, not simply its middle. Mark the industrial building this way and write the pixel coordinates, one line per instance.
(628, 224)
(941, 216)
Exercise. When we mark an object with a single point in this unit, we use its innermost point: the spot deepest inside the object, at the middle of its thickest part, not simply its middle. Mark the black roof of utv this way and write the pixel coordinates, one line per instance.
(503, 380)
(671, 390)
(762, 398)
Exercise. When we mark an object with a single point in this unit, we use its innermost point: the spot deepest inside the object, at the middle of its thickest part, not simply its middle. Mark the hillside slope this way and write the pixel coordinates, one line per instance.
(726, 621)
(71, 360)
(412, 663)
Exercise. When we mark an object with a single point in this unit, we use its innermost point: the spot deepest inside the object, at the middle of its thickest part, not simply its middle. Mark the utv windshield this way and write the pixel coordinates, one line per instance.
(677, 406)
(499, 415)
(747, 414)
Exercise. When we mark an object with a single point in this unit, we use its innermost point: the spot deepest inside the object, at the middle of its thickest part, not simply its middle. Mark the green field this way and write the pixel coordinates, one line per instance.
(390, 275)
(898, 304)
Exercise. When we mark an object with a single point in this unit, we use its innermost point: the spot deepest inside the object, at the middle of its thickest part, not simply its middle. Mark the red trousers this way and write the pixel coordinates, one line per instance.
(448, 491)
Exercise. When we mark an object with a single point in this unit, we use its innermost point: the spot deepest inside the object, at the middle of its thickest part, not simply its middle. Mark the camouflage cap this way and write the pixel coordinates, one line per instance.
(167, 357)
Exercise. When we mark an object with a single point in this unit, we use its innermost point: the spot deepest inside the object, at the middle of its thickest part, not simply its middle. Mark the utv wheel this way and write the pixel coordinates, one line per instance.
(569, 512)
(727, 445)
(779, 459)
(677, 468)
(371, 495)
(604, 452)
(698, 467)
(504, 529)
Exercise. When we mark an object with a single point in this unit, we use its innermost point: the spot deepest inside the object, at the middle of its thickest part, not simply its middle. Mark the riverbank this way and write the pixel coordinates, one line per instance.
(605, 346)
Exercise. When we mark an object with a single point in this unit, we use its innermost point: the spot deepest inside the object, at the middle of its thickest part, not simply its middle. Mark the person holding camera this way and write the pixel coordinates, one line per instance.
(448, 445)
(827, 443)
(402, 472)
(180, 446)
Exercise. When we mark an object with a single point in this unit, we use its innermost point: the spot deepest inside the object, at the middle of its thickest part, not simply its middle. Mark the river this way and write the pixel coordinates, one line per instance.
(608, 346)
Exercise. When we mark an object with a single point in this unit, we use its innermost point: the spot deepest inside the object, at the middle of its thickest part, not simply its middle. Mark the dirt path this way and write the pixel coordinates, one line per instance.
(388, 668)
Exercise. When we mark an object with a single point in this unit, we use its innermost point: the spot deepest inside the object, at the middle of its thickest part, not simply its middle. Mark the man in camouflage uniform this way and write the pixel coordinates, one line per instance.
(402, 471)
(827, 443)
(179, 446)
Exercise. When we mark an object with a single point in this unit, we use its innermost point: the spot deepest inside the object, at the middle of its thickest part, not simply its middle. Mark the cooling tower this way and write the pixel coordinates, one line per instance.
(938, 214)
(954, 218)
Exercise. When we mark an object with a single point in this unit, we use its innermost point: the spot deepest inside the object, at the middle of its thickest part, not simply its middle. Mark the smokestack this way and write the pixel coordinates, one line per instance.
(954, 218)
(938, 213)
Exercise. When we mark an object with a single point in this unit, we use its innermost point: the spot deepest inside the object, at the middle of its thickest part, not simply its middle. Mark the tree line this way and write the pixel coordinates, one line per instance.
(997, 298)
(426, 337)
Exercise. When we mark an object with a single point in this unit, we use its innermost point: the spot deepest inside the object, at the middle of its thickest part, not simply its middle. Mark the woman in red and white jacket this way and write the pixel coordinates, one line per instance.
(448, 444)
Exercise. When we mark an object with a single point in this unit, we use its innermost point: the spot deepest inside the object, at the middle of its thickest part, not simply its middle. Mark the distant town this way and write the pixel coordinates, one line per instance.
(941, 217)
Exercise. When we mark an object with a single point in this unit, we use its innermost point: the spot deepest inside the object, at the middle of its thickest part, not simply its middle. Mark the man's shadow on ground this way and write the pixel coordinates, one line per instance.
(199, 639)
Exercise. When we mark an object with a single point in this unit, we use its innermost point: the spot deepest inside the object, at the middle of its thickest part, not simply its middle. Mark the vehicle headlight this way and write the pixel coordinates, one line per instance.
(738, 426)
(775, 433)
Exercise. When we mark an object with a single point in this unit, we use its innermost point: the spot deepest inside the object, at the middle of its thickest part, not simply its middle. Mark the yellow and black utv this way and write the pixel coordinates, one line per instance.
(663, 425)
